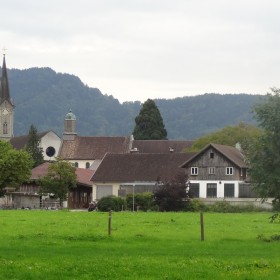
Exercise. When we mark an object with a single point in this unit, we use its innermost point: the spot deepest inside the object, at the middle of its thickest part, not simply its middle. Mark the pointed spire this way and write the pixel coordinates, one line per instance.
(4, 88)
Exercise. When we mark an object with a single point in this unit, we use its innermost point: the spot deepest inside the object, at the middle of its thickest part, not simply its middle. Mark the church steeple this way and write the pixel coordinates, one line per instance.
(6, 106)
(4, 89)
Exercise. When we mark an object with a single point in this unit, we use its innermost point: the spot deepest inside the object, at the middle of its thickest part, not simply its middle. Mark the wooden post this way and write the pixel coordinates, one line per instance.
(201, 227)
(110, 222)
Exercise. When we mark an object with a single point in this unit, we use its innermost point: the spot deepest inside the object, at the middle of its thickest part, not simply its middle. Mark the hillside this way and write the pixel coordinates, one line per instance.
(43, 97)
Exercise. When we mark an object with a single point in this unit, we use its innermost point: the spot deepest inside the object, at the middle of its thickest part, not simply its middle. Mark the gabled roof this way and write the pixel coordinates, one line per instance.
(39, 171)
(139, 167)
(231, 153)
(4, 85)
(20, 142)
(161, 146)
(83, 175)
(88, 148)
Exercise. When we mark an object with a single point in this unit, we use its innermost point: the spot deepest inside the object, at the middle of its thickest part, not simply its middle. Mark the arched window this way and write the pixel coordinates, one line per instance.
(5, 128)
(76, 164)
(87, 164)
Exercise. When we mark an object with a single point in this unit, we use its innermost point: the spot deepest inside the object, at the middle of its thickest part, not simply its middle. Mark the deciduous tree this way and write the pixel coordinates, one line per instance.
(242, 133)
(264, 154)
(15, 166)
(149, 123)
(60, 177)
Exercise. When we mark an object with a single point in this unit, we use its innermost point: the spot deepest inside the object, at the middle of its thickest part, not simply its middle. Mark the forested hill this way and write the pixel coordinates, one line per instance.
(43, 97)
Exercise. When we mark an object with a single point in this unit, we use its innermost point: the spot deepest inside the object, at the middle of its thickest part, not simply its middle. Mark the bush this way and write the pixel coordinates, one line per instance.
(226, 207)
(275, 218)
(195, 205)
(172, 195)
(142, 201)
(111, 202)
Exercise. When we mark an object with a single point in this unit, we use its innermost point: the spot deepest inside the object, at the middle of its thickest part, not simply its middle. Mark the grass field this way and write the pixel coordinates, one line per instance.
(75, 245)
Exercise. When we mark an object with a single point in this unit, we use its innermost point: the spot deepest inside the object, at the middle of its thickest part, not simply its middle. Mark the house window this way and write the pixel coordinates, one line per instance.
(194, 170)
(211, 155)
(87, 164)
(211, 190)
(76, 164)
(228, 190)
(211, 170)
(229, 171)
(194, 190)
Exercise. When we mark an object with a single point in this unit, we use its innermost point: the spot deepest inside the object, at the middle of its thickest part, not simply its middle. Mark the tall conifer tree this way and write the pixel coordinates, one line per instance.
(149, 124)
(33, 146)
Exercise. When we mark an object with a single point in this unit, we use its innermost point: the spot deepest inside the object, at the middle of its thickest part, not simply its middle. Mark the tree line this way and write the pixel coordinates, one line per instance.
(43, 97)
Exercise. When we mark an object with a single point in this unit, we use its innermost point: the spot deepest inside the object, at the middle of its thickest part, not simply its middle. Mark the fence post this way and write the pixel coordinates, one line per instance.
(110, 222)
(201, 227)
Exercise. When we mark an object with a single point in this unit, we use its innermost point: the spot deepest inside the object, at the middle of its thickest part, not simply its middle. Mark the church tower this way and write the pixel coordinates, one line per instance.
(6, 107)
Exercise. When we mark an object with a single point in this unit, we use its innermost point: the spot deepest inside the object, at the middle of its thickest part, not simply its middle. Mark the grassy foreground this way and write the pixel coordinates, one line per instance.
(75, 245)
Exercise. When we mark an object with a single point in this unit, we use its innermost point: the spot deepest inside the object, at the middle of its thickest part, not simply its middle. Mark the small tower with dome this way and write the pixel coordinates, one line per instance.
(69, 126)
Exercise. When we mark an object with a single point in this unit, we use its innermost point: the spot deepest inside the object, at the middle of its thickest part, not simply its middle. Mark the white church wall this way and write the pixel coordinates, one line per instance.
(50, 140)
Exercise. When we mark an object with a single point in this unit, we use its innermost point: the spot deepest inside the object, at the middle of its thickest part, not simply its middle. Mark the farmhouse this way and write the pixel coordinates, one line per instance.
(218, 171)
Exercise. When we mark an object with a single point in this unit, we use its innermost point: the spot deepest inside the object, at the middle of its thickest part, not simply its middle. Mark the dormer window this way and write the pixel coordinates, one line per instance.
(194, 170)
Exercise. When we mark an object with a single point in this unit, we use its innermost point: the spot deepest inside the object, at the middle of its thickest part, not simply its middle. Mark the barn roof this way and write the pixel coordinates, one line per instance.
(139, 167)
(161, 146)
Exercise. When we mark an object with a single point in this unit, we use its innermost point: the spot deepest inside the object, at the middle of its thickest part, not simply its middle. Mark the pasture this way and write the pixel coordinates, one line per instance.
(75, 245)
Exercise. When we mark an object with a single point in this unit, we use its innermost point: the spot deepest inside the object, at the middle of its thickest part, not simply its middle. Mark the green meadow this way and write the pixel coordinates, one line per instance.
(75, 245)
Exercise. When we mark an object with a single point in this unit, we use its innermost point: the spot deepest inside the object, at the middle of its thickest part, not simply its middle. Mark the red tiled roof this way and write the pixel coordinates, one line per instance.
(83, 148)
(39, 171)
(161, 146)
(83, 175)
(139, 167)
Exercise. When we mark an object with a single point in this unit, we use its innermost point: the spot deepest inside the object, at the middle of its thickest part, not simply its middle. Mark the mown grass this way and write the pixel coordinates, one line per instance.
(76, 245)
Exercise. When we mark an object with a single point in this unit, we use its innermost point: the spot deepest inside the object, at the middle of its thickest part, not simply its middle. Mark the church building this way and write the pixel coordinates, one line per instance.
(6, 107)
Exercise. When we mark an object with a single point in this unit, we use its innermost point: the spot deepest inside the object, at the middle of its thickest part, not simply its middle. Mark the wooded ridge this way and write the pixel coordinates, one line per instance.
(43, 97)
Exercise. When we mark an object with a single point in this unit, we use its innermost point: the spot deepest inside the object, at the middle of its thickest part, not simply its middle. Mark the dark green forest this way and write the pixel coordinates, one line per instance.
(43, 97)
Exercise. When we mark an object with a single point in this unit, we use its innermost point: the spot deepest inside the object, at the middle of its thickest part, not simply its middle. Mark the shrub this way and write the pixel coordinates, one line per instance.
(275, 218)
(172, 195)
(142, 201)
(195, 205)
(111, 202)
(226, 207)
(275, 237)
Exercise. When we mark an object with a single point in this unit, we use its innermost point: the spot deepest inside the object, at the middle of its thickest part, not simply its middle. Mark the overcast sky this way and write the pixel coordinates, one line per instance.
(140, 49)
